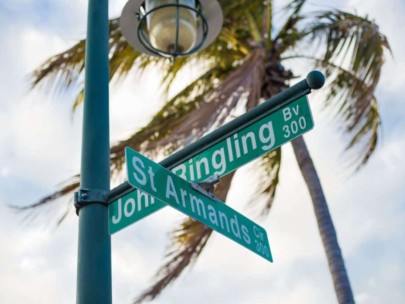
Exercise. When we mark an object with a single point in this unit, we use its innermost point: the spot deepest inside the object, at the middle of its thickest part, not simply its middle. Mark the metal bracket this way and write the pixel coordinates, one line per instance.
(207, 187)
(87, 197)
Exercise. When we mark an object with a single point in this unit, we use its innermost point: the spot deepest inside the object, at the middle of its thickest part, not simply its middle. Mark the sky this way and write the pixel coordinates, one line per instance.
(40, 149)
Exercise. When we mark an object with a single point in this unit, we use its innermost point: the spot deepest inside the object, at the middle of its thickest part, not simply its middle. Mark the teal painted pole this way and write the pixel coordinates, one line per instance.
(94, 248)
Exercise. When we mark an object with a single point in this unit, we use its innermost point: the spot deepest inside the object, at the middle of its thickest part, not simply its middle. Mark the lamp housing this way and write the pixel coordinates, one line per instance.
(171, 28)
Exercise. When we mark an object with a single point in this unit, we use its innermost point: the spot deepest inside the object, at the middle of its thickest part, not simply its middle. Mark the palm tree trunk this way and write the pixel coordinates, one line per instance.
(326, 228)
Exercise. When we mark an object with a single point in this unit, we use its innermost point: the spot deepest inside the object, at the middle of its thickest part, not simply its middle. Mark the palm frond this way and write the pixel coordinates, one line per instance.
(187, 244)
(228, 40)
(353, 40)
(63, 68)
(254, 28)
(242, 82)
(187, 116)
(68, 188)
(268, 169)
(66, 68)
(355, 108)
(235, 9)
(180, 258)
(79, 98)
(359, 113)
(289, 34)
(169, 116)
(124, 58)
(295, 6)
(353, 59)
(33, 211)
(267, 24)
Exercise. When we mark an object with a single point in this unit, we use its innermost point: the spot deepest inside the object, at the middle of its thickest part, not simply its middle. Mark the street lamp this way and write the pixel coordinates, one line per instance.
(168, 28)
(171, 28)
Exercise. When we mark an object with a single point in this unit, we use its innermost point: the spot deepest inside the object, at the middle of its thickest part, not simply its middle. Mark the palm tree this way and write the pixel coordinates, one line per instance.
(247, 62)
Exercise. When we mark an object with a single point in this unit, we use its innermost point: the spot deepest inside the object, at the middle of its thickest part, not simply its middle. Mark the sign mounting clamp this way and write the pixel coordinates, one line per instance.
(207, 187)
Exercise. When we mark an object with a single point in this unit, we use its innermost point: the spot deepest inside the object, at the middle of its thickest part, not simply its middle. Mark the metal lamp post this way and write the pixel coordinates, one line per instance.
(168, 28)
(94, 251)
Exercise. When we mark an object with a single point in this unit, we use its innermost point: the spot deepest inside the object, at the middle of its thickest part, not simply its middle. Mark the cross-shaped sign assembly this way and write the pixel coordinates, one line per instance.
(181, 180)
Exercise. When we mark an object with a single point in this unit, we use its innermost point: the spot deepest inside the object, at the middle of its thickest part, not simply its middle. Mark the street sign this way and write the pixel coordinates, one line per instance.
(248, 144)
(221, 158)
(167, 187)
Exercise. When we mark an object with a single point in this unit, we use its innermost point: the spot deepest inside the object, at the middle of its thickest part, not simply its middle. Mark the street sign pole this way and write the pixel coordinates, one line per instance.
(94, 245)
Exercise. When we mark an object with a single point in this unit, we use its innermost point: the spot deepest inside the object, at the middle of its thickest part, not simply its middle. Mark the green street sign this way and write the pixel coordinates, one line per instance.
(248, 144)
(167, 187)
(237, 149)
